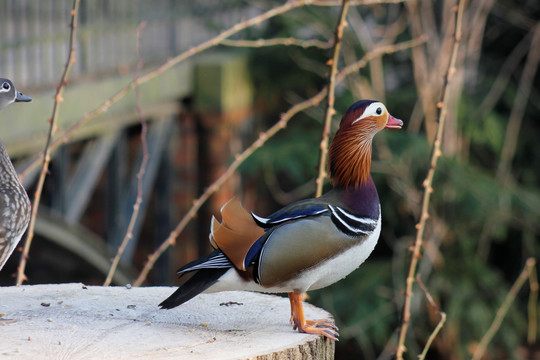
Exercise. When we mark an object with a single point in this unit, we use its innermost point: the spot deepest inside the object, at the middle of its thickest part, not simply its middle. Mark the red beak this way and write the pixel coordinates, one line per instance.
(393, 123)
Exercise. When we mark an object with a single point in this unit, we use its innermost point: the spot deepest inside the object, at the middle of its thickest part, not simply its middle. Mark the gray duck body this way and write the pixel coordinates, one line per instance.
(14, 202)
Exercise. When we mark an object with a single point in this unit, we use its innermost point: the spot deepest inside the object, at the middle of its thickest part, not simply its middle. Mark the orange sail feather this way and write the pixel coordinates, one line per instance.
(236, 233)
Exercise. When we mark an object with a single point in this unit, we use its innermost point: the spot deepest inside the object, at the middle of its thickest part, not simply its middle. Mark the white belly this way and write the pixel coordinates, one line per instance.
(337, 268)
(318, 277)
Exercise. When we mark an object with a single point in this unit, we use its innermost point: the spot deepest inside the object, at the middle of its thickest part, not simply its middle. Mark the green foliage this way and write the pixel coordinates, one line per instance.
(488, 132)
(286, 155)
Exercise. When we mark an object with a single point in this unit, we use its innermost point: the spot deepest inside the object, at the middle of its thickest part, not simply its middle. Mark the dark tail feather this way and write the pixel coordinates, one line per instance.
(199, 282)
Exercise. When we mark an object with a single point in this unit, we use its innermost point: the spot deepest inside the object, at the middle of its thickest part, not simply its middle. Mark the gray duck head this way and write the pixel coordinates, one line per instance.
(8, 94)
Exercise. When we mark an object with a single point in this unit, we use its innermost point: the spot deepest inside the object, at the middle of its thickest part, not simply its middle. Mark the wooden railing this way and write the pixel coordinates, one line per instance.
(34, 34)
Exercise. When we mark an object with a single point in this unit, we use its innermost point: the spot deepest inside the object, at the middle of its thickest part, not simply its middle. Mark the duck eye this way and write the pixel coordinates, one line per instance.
(379, 111)
(6, 86)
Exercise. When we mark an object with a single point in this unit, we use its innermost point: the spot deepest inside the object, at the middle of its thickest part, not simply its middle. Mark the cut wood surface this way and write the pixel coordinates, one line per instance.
(74, 321)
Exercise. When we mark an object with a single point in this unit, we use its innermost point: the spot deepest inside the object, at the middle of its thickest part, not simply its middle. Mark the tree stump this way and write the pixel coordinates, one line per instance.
(74, 321)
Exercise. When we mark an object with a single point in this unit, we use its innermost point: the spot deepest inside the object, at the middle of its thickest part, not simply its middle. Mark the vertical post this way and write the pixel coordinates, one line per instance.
(223, 103)
(185, 156)
(162, 208)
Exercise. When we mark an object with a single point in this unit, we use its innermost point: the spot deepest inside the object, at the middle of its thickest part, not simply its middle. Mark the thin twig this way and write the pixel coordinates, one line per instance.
(533, 303)
(439, 326)
(518, 110)
(142, 168)
(421, 72)
(330, 111)
(355, 2)
(377, 52)
(428, 182)
(501, 312)
(282, 123)
(512, 61)
(46, 152)
(277, 42)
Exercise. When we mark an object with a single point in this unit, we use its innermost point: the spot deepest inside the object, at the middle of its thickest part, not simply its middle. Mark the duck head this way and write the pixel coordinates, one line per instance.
(350, 150)
(8, 94)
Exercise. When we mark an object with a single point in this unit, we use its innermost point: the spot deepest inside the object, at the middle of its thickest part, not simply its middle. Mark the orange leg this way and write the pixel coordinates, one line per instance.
(303, 297)
(325, 327)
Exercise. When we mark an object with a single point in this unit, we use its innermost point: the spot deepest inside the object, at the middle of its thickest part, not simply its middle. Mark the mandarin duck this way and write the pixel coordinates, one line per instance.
(308, 244)
(14, 202)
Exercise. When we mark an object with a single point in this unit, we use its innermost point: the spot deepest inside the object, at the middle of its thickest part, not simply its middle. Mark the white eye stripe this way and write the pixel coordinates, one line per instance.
(374, 109)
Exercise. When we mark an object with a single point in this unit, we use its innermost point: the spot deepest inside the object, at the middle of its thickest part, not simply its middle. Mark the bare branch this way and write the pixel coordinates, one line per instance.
(533, 303)
(330, 111)
(522, 96)
(277, 42)
(377, 52)
(428, 182)
(512, 61)
(501, 313)
(354, 2)
(142, 168)
(440, 324)
(48, 147)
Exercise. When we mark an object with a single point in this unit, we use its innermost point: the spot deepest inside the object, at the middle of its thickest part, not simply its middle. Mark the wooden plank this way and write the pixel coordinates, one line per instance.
(223, 98)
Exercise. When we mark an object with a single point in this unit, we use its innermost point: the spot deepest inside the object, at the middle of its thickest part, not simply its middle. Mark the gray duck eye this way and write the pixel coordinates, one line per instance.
(6, 86)
(379, 111)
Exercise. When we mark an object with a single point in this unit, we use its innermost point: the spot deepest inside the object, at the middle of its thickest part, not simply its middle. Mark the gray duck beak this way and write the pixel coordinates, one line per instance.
(22, 98)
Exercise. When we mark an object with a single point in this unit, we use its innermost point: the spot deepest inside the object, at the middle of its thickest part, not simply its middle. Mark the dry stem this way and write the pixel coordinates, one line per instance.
(439, 326)
(355, 2)
(533, 303)
(427, 184)
(46, 152)
(527, 273)
(142, 168)
(330, 111)
(518, 110)
(277, 42)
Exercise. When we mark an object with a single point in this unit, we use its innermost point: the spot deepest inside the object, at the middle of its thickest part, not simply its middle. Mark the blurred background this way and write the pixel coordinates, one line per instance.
(485, 209)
